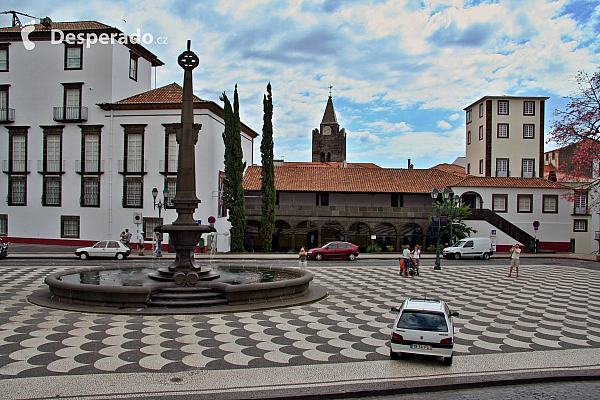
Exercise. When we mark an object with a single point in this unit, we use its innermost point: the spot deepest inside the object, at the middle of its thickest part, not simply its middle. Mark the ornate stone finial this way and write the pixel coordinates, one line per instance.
(330, 87)
(188, 60)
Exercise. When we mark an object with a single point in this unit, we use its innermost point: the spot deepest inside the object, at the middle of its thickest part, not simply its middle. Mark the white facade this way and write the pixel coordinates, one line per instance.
(53, 208)
(505, 136)
(555, 230)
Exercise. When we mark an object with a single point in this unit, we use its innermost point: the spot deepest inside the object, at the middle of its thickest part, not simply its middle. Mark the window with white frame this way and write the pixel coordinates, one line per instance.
(469, 116)
(527, 168)
(73, 56)
(4, 97)
(53, 153)
(4, 57)
(528, 131)
(3, 224)
(524, 203)
(134, 152)
(52, 191)
(503, 130)
(580, 203)
(481, 166)
(502, 107)
(481, 110)
(69, 226)
(133, 66)
(149, 223)
(90, 192)
(17, 191)
(18, 155)
(528, 108)
(499, 202)
(172, 152)
(132, 192)
(480, 132)
(580, 225)
(172, 186)
(91, 152)
(550, 204)
(502, 167)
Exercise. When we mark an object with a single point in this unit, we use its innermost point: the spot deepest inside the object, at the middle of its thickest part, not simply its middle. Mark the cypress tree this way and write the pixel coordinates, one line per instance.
(267, 175)
(233, 197)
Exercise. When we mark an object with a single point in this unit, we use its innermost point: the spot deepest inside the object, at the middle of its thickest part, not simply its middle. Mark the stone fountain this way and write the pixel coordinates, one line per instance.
(185, 232)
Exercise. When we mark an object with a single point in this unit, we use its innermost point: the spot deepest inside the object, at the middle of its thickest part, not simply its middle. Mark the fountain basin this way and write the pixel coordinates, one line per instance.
(286, 286)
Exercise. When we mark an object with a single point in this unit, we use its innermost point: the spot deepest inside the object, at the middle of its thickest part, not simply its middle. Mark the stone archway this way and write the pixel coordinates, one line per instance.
(331, 231)
(471, 198)
(282, 237)
(386, 236)
(411, 234)
(306, 235)
(251, 241)
(359, 233)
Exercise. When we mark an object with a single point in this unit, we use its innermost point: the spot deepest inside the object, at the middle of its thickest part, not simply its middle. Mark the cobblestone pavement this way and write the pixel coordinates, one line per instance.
(545, 309)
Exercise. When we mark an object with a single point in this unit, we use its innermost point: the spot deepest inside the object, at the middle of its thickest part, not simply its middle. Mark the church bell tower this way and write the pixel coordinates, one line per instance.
(329, 142)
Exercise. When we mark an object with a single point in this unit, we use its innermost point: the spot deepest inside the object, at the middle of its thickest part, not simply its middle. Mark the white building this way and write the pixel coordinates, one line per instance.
(87, 140)
(505, 136)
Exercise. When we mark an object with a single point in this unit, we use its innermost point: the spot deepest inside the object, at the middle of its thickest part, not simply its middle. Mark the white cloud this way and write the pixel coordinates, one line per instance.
(454, 117)
(443, 125)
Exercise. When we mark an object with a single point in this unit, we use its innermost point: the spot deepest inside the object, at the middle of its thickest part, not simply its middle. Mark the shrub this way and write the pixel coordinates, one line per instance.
(373, 248)
(389, 248)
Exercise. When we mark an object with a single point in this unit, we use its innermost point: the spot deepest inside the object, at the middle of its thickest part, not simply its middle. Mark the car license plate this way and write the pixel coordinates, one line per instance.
(421, 346)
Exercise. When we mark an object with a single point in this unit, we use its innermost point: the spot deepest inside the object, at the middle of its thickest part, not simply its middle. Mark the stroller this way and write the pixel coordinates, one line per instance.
(411, 270)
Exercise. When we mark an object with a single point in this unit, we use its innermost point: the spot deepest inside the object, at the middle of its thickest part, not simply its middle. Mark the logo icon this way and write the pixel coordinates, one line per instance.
(29, 45)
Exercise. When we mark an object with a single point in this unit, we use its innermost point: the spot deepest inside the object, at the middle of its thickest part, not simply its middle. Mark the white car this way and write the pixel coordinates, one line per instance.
(470, 247)
(104, 248)
(425, 327)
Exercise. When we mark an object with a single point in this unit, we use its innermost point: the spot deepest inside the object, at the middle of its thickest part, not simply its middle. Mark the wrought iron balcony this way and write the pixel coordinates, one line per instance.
(51, 167)
(16, 167)
(7, 115)
(133, 167)
(70, 114)
(89, 167)
(580, 210)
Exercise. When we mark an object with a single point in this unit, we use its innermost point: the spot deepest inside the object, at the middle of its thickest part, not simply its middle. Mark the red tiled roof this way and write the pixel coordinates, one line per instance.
(317, 164)
(514, 182)
(172, 93)
(562, 177)
(63, 26)
(451, 169)
(352, 180)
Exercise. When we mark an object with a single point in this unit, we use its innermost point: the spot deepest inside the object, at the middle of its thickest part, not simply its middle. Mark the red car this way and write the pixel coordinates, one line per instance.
(335, 250)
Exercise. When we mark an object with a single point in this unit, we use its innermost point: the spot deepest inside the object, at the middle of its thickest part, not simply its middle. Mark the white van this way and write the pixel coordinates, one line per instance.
(470, 247)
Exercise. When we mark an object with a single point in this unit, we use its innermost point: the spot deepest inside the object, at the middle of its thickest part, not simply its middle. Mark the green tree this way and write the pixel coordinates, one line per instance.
(460, 229)
(233, 196)
(267, 175)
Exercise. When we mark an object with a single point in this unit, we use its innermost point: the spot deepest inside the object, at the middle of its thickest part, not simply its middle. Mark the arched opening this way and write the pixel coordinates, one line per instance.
(306, 235)
(331, 231)
(282, 236)
(251, 241)
(360, 234)
(411, 234)
(471, 198)
(386, 236)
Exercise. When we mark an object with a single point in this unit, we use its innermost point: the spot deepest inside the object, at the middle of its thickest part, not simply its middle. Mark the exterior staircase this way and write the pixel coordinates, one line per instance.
(502, 224)
(187, 296)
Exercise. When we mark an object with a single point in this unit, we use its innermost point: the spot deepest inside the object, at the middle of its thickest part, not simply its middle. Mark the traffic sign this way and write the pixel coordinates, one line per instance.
(212, 220)
(137, 217)
(536, 225)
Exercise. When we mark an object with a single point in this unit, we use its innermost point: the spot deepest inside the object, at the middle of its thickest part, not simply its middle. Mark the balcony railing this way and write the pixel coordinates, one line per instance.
(167, 167)
(51, 167)
(529, 174)
(7, 115)
(16, 167)
(502, 174)
(134, 167)
(70, 114)
(89, 167)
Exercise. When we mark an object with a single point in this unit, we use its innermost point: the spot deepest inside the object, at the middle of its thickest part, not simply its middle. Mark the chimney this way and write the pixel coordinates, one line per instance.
(410, 166)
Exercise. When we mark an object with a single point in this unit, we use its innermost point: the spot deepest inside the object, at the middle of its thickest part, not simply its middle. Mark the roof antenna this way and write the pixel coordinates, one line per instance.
(330, 87)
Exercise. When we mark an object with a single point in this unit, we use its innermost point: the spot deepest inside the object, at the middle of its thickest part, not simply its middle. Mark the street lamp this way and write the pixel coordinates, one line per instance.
(452, 211)
(160, 205)
(439, 208)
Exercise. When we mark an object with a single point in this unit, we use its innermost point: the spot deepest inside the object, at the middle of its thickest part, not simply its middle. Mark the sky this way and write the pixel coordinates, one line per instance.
(402, 70)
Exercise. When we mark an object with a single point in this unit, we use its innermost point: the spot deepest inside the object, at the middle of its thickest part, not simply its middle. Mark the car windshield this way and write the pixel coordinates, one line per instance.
(460, 243)
(423, 321)
(100, 245)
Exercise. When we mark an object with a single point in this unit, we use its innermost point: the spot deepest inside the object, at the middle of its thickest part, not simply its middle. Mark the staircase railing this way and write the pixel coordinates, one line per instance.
(484, 214)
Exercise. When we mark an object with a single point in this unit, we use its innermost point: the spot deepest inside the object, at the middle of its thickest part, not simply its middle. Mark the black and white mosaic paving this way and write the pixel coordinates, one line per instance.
(543, 309)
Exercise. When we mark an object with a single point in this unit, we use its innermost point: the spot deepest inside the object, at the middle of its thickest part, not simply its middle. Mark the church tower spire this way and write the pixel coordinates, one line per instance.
(329, 143)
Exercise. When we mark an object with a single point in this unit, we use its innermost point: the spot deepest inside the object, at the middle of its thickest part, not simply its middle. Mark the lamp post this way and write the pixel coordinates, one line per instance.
(452, 210)
(438, 208)
(160, 205)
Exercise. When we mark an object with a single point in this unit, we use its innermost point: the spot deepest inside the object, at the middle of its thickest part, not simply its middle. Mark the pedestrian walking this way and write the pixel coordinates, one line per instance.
(514, 259)
(155, 244)
(122, 237)
(127, 238)
(141, 243)
(406, 256)
(416, 255)
(302, 256)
